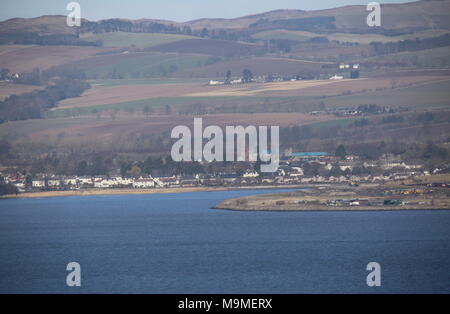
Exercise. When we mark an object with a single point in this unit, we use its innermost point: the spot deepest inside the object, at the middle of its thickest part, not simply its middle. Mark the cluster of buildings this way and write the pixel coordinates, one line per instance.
(342, 68)
(364, 202)
(293, 169)
(347, 66)
(271, 78)
(356, 111)
(6, 76)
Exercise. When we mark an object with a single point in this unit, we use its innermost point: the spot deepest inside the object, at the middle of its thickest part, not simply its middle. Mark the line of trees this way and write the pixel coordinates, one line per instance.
(28, 38)
(38, 77)
(33, 105)
(306, 24)
(119, 25)
(6, 188)
(411, 45)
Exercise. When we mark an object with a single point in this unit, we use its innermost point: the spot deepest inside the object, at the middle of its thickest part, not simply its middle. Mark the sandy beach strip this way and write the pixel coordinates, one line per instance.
(92, 192)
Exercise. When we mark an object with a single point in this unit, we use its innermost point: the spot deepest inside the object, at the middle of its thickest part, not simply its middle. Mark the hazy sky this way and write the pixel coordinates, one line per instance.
(176, 10)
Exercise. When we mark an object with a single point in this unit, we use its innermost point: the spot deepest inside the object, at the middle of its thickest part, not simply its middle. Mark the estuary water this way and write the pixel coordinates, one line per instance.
(175, 243)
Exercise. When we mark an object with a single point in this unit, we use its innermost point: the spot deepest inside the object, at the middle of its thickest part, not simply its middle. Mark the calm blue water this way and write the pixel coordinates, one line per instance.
(177, 244)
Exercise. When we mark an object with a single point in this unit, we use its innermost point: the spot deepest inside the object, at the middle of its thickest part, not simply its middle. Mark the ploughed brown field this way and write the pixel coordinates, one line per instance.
(101, 95)
(92, 128)
(258, 65)
(8, 89)
(20, 59)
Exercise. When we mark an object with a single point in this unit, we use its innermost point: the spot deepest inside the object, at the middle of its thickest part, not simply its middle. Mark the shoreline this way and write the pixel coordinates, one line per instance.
(335, 199)
(329, 209)
(105, 192)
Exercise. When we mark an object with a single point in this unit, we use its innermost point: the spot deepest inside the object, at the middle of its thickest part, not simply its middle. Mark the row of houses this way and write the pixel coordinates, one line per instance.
(281, 177)
(346, 66)
(271, 78)
(292, 170)
(103, 182)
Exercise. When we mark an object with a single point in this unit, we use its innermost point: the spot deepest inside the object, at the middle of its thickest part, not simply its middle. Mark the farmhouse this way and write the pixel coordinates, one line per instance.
(336, 77)
(189, 180)
(214, 83)
(143, 183)
(250, 174)
(172, 181)
(54, 183)
(38, 183)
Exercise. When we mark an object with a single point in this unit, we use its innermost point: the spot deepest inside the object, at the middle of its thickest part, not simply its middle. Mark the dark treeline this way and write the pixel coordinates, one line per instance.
(38, 77)
(109, 164)
(411, 45)
(6, 188)
(45, 40)
(33, 105)
(118, 25)
(304, 24)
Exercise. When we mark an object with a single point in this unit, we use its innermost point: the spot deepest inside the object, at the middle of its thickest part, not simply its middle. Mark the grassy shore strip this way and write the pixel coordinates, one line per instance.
(92, 192)
(315, 200)
(325, 208)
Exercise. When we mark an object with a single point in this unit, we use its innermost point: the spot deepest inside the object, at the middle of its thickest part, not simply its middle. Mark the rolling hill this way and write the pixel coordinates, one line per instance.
(412, 16)
(425, 14)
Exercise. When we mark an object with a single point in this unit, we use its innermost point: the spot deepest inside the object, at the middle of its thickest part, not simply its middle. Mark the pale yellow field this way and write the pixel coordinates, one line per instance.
(255, 89)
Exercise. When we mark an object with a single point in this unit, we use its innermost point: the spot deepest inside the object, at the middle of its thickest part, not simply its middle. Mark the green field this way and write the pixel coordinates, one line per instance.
(284, 34)
(146, 65)
(140, 40)
(155, 81)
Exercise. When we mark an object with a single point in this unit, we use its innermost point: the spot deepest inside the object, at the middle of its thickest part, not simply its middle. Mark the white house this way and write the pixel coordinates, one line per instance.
(297, 172)
(38, 183)
(346, 167)
(101, 183)
(250, 174)
(213, 83)
(143, 183)
(167, 181)
(337, 77)
(71, 181)
(124, 181)
(54, 182)
(85, 180)
(20, 185)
